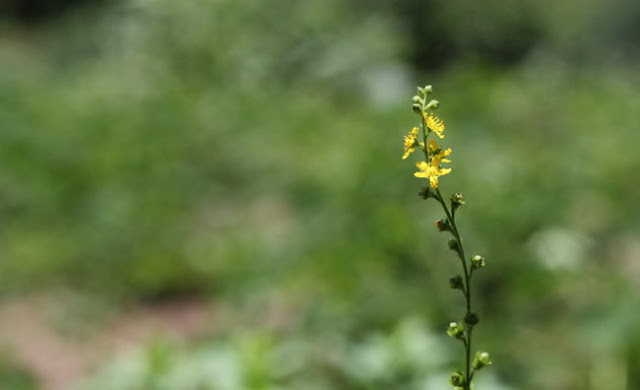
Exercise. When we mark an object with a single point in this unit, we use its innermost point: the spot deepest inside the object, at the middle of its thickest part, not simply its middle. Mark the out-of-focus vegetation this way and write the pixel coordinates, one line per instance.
(250, 152)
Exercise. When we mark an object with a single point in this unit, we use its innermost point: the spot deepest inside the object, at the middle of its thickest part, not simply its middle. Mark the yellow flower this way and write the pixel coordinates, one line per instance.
(432, 147)
(410, 142)
(431, 171)
(434, 124)
(436, 151)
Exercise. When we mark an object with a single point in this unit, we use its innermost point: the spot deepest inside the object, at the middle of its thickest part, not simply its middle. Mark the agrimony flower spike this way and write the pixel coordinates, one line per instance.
(431, 169)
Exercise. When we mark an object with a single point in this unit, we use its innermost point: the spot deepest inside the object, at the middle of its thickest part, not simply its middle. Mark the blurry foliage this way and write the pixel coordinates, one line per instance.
(252, 149)
(14, 376)
(408, 357)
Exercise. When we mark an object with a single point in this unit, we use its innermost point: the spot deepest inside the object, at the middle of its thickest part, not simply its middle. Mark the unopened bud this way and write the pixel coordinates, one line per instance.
(432, 105)
(481, 360)
(456, 283)
(471, 319)
(442, 225)
(453, 245)
(477, 261)
(428, 88)
(456, 200)
(456, 378)
(416, 108)
(455, 330)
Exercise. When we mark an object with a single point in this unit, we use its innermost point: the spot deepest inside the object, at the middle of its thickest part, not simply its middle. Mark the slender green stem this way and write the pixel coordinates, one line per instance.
(467, 285)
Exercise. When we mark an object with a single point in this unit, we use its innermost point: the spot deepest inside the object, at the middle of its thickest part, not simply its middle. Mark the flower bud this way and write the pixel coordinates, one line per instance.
(481, 360)
(428, 89)
(456, 378)
(442, 225)
(472, 319)
(456, 200)
(454, 246)
(455, 330)
(426, 193)
(432, 105)
(417, 99)
(477, 261)
(416, 108)
(456, 283)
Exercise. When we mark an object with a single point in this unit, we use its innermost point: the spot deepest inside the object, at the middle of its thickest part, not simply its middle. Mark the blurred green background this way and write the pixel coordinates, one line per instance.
(244, 159)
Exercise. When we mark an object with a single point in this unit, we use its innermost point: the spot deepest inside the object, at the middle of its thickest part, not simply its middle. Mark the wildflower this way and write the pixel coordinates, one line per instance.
(432, 170)
(410, 142)
(434, 124)
(437, 152)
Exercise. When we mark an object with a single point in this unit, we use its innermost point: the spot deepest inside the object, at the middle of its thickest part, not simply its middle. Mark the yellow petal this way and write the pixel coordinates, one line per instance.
(433, 146)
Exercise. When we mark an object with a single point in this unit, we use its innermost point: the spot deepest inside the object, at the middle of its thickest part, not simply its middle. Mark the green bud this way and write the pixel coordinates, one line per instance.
(442, 225)
(417, 99)
(426, 193)
(432, 105)
(456, 200)
(471, 319)
(416, 108)
(477, 261)
(422, 92)
(428, 89)
(456, 283)
(455, 330)
(481, 360)
(456, 378)
(454, 246)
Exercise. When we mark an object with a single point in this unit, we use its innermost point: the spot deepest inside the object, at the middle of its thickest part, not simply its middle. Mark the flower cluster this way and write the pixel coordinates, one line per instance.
(434, 154)
(431, 169)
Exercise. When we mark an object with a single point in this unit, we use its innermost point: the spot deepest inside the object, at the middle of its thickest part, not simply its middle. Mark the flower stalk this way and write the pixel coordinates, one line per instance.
(431, 170)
